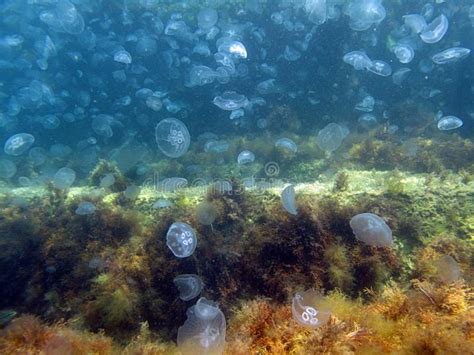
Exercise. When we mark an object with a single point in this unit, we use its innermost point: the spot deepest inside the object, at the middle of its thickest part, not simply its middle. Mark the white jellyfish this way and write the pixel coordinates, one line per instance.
(204, 330)
(306, 310)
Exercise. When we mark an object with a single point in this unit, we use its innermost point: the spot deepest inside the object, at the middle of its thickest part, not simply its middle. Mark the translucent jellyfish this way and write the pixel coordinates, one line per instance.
(172, 137)
(366, 105)
(436, 30)
(85, 208)
(364, 13)
(122, 56)
(449, 122)
(69, 18)
(215, 146)
(204, 330)
(367, 121)
(451, 55)
(380, 67)
(101, 125)
(146, 46)
(18, 144)
(235, 49)
(291, 54)
(37, 156)
(200, 75)
(316, 11)
(162, 203)
(207, 18)
(268, 86)
(400, 75)
(404, 53)
(181, 239)
(50, 121)
(371, 229)
(131, 192)
(107, 181)
(245, 157)
(64, 178)
(230, 101)
(173, 184)
(306, 309)
(286, 144)
(330, 137)
(188, 285)
(288, 200)
(7, 169)
(416, 23)
(206, 213)
(358, 59)
(447, 269)
(154, 102)
(236, 114)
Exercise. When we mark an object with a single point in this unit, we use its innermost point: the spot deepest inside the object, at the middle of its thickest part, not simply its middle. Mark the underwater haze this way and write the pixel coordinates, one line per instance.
(236, 177)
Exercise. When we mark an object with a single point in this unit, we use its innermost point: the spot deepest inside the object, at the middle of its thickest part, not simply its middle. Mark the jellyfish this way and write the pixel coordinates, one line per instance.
(18, 144)
(204, 330)
(188, 285)
(64, 178)
(181, 239)
(288, 200)
(206, 213)
(172, 137)
(371, 229)
(305, 310)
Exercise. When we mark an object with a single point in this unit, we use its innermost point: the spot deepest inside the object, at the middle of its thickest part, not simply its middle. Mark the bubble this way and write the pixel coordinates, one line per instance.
(188, 285)
(372, 230)
(172, 137)
(64, 178)
(181, 239)
(18, 144)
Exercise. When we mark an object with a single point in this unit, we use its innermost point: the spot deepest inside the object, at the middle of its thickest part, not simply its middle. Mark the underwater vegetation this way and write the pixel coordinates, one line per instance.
(236, 177)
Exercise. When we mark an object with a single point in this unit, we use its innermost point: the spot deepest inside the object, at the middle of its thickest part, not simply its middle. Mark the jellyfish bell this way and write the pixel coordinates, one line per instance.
(172, 137)
(307, 309)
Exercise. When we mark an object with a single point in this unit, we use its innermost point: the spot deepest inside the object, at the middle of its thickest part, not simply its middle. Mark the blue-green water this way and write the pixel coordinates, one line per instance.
(179, 93)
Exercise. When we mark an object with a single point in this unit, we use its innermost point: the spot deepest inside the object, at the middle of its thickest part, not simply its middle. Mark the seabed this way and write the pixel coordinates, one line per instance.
(103, 283)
